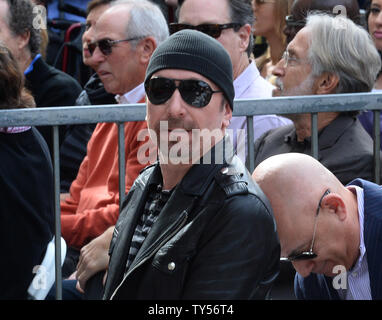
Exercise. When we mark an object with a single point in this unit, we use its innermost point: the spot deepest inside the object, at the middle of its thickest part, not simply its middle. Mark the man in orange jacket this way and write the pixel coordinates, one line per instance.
(120, 53)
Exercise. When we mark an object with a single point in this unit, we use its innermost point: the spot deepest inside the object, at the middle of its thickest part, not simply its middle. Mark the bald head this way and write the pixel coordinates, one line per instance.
(293, 183)
(299, 188)
(293, 174)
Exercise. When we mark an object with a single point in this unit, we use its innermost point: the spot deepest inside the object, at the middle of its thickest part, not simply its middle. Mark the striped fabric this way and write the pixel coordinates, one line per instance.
(358, 277)
(14, 129)
(155, 202)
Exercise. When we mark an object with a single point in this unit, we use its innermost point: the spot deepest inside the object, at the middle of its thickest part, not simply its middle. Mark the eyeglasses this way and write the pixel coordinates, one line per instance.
(291, 22)
(307, 255)
(213, 30)
(196, 93)
(106, 45)
(288, 59)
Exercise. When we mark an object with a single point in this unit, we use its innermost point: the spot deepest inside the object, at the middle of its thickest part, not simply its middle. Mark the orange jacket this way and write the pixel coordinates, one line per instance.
(93, 205)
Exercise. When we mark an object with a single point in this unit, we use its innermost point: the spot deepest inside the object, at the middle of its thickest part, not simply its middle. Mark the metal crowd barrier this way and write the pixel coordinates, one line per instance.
(119, 114)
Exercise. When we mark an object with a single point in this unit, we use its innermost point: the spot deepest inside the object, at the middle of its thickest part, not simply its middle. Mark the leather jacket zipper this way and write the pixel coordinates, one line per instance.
(181, 224)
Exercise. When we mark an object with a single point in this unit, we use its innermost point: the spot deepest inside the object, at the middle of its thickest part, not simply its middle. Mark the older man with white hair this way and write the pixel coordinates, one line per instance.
(327, 63)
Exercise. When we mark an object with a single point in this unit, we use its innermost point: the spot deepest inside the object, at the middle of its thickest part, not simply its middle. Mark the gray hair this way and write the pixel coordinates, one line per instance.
(146, 19)
(341, 47)
(242, 12)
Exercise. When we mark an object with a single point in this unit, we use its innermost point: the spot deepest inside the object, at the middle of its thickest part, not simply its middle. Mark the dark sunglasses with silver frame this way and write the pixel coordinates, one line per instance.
(308, 255)
(196, 93)
(106, 45)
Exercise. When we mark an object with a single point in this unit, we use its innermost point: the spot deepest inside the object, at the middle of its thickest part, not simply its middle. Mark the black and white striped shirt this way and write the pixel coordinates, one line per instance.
(156, 200)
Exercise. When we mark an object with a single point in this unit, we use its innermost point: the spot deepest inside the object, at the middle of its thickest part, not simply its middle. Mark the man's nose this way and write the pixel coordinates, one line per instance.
(279, 69)
(176, 105)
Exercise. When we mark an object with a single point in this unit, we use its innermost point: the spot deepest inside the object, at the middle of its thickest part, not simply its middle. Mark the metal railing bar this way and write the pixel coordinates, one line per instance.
(121, 162)
(309, 104)
(57, 213)
(250, 146)
(314, 135)
(242, 107)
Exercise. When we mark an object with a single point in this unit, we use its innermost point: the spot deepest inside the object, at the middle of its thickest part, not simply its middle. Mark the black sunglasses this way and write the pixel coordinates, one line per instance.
(106, 45)
(196, 93)
(307, 255)
(213, 30)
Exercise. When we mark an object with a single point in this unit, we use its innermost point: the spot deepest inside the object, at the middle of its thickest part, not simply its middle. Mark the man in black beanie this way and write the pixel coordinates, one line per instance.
(194, 225)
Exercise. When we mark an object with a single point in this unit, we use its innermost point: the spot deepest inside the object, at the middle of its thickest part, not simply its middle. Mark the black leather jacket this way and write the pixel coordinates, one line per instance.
(215, 239)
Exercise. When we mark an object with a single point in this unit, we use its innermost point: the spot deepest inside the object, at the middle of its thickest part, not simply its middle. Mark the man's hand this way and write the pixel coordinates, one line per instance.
(94, 257)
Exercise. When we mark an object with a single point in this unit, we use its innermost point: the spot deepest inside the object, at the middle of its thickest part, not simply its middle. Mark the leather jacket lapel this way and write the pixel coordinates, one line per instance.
(172, 217)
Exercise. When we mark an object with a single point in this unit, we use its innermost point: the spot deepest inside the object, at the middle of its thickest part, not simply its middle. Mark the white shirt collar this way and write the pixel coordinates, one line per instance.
(244, 79)
(133, 96)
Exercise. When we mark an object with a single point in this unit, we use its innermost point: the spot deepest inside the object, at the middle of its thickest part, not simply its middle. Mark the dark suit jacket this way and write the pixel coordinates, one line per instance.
(344, 147)
(51, 87)
(320, 287)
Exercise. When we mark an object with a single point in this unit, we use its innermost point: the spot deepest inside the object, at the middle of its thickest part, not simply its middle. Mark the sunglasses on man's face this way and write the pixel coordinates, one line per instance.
(106, 45)
(213, 30)
(196, 93)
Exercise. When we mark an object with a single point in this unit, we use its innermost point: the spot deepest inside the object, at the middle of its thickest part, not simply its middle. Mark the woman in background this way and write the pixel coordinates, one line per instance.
(374, 26)
(374, 23)
(269, 23)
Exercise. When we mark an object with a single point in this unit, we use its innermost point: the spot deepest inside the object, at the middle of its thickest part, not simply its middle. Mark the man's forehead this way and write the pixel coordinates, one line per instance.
(300, 43)
(197, 12)
(109, 25)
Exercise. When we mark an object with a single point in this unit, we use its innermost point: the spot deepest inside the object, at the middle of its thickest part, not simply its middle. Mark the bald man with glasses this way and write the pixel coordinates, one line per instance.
(329, 232)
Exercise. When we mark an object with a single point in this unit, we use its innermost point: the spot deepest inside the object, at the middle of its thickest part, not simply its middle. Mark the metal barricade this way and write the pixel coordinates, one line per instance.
(56, 116)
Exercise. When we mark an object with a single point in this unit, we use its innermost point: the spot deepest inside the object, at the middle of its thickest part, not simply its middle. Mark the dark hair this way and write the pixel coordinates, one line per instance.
(20, 20)
(13, 95)
(96, 3)
(367, 14)
(241, 12)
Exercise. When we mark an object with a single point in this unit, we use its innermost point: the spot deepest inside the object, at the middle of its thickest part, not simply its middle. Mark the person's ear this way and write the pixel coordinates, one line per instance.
(227, 115)
(22, 40)
(244, 34)
(147, 47)
(335, 204)
(327, 83)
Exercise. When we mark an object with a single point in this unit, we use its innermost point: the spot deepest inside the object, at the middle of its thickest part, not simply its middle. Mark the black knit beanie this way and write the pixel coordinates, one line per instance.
(195, 51)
